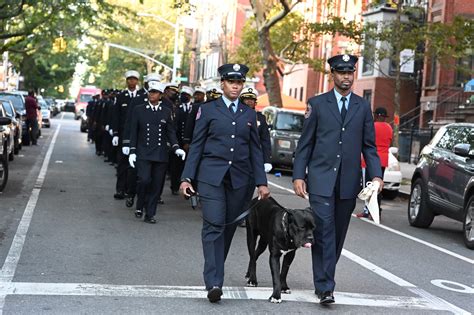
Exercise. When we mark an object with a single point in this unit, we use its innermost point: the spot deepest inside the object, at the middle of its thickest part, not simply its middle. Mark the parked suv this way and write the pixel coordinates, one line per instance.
(8, 131)
(4, 121)
(285, 130)
(16, 122)
(443, 181)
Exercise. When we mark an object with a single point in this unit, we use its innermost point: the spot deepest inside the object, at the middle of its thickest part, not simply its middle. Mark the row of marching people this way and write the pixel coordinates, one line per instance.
(146, 132)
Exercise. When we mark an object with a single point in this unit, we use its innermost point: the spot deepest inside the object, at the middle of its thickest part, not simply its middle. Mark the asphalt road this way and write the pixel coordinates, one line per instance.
(66, 246)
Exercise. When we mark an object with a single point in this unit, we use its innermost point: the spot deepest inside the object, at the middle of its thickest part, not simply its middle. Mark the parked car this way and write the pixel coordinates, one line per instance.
(8, 135)
(3, 154)
(443, 181)
(392, 176)
(17, 123)
(18, 101)
(84, 123)
(45, 113)
(285, 130)
(52, 106)
(69, 106)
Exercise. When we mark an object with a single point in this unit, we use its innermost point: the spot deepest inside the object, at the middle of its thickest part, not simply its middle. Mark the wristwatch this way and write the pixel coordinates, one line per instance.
(187, 180)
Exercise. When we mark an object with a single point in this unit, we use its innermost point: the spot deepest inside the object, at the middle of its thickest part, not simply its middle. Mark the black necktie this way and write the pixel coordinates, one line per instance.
(343, 109)
(231, 108)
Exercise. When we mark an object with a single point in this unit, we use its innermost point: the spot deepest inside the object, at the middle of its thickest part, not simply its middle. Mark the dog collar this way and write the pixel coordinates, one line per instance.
(283, 223)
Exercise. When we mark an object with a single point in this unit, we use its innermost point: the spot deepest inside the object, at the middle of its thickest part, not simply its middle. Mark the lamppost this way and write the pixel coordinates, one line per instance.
(176, 34)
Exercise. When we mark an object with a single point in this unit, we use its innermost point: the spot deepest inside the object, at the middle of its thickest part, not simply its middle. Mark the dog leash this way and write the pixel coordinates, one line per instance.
(240, 217)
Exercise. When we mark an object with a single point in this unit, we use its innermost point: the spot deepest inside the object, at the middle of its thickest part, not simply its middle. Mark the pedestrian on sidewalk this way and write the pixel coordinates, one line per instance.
(383, 141)
(338, 127)
(32, 108)
(224, 153)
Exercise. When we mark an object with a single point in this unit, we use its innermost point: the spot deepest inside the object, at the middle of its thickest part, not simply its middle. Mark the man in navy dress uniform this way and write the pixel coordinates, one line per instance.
(150, 130)
(337, 129)
(223, 155)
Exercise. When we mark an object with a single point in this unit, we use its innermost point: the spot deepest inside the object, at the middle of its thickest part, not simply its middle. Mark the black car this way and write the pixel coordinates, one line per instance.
(17, 123)
(443, 181)
(17, 98)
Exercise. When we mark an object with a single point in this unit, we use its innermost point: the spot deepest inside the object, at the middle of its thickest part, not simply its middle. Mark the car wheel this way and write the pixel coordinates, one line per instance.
(468, 228)
(419, 214)
(3, 173)
(389, 194)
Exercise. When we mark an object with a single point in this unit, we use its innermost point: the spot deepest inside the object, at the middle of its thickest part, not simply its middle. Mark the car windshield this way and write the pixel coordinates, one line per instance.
(84, 98)
(289, 122)
(8, 108)
(16, 100)
(43, 104)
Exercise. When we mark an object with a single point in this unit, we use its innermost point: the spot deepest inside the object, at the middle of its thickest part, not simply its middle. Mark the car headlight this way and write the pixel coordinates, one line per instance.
(394, 167)
(285, 144)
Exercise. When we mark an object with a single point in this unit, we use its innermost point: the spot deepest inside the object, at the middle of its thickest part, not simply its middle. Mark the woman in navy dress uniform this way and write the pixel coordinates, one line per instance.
(224, 153)
(151, 128)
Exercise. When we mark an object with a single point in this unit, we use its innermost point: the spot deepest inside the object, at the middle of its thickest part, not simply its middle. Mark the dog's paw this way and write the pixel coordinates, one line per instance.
(286, 291)
(252, 283)
(274, 300)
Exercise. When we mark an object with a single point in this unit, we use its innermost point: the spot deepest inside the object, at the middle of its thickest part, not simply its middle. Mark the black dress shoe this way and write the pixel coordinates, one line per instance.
(326, 297)
(138, 213)
(161, 202)
(214, 294)
(129, 201)
(119, 195)
(151, 220)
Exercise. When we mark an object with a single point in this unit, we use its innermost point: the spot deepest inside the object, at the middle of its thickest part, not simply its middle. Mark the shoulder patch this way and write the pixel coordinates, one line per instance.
(307, 113)
(198, 115)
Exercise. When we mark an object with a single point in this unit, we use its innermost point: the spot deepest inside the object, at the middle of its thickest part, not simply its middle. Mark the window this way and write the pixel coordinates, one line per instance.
(301, 93)
(464, 69)
(456, 135)
(289, 122)
(84, 98)
(289, 93)
(16, 100)
(368, 55)
(367, 94)
(434, 66)
(8, 109)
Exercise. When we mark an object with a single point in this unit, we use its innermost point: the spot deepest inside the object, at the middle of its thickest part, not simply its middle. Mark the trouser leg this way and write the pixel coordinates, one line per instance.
(158, 171)
(143, 182)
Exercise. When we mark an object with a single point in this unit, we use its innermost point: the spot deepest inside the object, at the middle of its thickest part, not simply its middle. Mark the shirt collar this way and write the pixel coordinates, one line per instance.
(227, 101)
(154, 106)
(339, 96)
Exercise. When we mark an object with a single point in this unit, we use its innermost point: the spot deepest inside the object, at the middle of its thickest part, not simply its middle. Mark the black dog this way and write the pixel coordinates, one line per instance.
(284, 231)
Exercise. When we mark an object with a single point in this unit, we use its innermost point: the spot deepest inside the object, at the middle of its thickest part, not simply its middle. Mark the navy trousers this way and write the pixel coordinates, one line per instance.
(332, 216)
(149, 183)
(220, 204)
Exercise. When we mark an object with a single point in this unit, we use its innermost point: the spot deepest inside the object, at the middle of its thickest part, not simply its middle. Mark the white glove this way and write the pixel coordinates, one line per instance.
(126, 150)
(115, 141)
(132, 159)
(180, 153)
(107, 127)
(268, 167)
(111, 132)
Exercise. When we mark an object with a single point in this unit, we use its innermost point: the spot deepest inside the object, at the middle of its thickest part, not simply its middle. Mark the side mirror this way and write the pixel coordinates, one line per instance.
(393, 150)
(463, 149)
(270, 126)
(5, 121)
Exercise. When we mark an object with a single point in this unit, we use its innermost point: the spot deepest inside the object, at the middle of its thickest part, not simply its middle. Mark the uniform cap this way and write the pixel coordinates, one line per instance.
(381, 111)
(155, 86)
(249, 92)
(343, 62)
(173, 86)
(188, 90)
(152, 77)
(214, 89)
(199, 89)
(234, 71)
(132, 74)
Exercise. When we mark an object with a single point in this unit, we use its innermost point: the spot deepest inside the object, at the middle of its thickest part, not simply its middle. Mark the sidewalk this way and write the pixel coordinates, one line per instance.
(407, 170)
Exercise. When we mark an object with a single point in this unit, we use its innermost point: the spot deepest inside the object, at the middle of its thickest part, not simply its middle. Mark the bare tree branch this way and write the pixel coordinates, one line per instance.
(287, 7)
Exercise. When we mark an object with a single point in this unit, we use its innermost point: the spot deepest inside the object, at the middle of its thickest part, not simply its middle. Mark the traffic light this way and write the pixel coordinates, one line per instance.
(59, 45)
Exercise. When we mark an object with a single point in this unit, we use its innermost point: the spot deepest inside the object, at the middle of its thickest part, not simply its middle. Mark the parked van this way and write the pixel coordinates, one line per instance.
(285, 130)
(83, 97)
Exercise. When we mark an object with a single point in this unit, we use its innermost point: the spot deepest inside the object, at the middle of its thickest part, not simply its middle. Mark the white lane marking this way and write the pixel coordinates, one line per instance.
(436, 247)
(233, 293)
(436, 301)
(11, 262)
(461, 288)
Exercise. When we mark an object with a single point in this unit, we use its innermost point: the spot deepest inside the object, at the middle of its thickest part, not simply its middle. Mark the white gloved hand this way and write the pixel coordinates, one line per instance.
(126, 150)
(132, 159)
(268, 167)
(111, 132)
(107, 127)
(115, 141)
(181, 153)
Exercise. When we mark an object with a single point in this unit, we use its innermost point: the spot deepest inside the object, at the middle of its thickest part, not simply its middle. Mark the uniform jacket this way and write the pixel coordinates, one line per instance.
(328, 146)
(181, 117)
(122, 103)
(190, 122)
(264, 136)
(149, 133)
(140, 98)
(222, 142)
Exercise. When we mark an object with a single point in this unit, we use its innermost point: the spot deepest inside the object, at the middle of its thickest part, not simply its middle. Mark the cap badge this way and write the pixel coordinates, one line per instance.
(346, 58)
(236, 67)
(250, 90)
